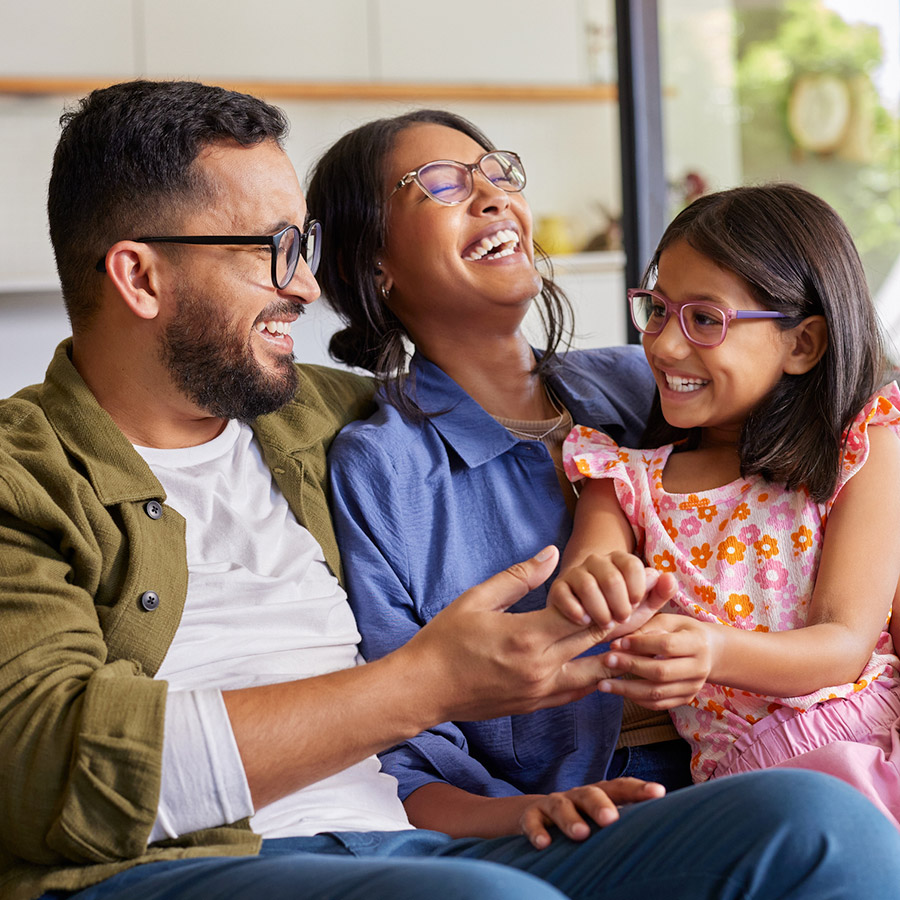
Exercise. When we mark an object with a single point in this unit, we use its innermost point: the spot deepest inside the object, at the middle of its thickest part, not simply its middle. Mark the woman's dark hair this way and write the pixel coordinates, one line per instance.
(124, 167)
(346, 193)
(797, 257)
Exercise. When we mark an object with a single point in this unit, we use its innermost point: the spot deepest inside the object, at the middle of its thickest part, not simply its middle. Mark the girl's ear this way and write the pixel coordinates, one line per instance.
(809, 343)
(132, 269)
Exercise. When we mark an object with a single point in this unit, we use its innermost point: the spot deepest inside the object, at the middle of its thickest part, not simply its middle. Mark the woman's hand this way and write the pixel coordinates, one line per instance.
(615, 591)
(671, 658)
(570, 810)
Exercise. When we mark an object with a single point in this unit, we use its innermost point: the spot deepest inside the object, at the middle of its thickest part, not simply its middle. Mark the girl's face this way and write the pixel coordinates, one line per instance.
(713, 388)
(439, 280)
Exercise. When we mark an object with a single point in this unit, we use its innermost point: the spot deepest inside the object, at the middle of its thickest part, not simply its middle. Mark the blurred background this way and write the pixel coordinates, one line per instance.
(703, 94)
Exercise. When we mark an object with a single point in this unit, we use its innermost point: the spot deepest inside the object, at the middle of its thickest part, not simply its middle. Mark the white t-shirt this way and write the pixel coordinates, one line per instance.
(262, 607)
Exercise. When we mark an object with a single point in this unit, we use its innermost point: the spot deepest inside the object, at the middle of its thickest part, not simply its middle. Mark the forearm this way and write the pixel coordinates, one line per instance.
(600, 526)
(473, 660)
(295, 733)
(443, 807)
(787, 663)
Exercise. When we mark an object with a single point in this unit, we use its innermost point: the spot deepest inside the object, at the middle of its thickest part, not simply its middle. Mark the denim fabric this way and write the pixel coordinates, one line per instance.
(761, 836)
(666, 762)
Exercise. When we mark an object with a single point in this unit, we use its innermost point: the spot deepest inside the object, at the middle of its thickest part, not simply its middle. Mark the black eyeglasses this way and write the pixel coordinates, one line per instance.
(450, 182)
(287, 247)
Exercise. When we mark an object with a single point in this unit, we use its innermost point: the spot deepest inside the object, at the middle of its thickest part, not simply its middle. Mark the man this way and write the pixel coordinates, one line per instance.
(177, 655)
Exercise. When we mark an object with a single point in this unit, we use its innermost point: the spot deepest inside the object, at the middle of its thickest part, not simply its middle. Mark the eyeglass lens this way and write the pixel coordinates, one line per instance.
(451, 182)
(291, 245)
(702, 324)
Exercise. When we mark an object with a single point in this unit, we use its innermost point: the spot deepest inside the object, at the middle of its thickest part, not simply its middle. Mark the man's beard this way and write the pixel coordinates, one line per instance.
(214, 366)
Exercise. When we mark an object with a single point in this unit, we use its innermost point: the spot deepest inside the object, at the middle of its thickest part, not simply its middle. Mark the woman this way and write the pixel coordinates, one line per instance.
(459, 473)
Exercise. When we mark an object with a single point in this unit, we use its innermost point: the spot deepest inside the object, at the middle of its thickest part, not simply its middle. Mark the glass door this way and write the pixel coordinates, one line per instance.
(806, 91)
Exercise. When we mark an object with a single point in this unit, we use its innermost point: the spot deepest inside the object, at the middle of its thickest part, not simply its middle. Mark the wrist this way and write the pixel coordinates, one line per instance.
(716, 639)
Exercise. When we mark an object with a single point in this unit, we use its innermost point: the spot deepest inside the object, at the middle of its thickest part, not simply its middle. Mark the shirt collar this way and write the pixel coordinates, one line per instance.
(475, 435)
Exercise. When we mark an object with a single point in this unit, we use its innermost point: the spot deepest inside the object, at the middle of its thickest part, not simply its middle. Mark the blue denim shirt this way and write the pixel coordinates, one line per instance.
(424, 511)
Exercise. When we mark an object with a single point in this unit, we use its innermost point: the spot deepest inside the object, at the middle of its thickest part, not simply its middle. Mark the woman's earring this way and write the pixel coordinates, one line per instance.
(385, 292)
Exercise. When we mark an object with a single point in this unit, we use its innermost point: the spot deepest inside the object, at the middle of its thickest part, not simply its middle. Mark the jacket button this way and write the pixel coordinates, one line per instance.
(149, 600)
(153, 508)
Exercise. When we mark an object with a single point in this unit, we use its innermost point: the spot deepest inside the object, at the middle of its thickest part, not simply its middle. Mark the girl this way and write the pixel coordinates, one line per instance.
(763, 341)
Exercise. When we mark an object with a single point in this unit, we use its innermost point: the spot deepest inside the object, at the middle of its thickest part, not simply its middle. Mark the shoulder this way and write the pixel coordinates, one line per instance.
(25, 429)
(608, 387)
(872, 438)
(342, 393)
(615, 369)
(386, 439)
(325, 400)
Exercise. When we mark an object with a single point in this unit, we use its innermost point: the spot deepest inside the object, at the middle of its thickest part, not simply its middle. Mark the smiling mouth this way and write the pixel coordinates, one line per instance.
(684, 385)
(277, 328)
(502, 243)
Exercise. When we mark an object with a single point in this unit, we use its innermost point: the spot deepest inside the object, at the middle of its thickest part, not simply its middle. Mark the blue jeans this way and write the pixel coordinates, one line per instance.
(666, 762)
(763, 835)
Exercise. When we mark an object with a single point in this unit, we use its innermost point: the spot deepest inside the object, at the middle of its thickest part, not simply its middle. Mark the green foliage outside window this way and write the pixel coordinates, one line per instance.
(786, 48)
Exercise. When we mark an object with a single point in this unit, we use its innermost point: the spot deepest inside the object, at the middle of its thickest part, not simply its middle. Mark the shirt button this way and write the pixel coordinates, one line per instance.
(153, 508)
(149, 600)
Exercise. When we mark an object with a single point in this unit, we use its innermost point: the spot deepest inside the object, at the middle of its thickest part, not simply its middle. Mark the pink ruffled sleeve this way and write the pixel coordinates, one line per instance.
(588, 453)
(883, 408)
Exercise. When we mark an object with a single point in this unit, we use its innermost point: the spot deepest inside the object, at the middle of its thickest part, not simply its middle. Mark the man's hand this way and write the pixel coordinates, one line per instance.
(569, 810)
(670, 658)
(476, 661)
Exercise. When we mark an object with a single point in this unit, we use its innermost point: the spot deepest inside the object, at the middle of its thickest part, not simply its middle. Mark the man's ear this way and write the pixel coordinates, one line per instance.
(809, 343)
(133, 269)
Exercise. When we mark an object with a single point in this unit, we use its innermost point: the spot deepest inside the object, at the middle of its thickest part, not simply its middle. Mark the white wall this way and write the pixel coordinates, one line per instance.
(570, 148)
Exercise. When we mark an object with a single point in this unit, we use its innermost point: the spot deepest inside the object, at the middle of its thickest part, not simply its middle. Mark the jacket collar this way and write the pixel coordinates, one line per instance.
(116, 471)
(89, 434)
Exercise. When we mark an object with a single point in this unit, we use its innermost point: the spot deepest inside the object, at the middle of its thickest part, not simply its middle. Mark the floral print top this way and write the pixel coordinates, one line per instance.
(746, 556)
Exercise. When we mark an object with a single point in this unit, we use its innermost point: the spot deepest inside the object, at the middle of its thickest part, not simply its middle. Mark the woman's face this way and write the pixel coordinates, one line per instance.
(437, 276)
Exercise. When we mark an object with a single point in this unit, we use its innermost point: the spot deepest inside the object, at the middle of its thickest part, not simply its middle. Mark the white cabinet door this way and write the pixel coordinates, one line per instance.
(30, 132)
(61, 38)
(277, 40)
(595, 285)
(529, 41)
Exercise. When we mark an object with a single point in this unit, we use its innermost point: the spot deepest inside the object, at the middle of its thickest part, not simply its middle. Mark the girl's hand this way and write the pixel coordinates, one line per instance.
(615, 591)
(569, 810)
(671, 658)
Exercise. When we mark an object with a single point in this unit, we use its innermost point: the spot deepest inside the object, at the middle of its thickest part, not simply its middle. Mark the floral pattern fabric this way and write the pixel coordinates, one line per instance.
(745, 555)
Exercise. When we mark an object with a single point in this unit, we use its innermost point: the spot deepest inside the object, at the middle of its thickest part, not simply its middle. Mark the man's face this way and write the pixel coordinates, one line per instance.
(226, 342)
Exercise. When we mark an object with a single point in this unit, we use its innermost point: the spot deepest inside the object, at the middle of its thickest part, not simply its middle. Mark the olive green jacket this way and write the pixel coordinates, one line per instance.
(83, 551)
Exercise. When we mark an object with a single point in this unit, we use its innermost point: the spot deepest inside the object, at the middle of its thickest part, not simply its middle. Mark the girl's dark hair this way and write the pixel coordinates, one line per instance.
(124, 166)
(797, 257)
(346, 193)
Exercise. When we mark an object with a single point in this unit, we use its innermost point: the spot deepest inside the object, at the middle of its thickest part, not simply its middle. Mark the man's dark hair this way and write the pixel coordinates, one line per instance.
(797, 257)
(123, 167)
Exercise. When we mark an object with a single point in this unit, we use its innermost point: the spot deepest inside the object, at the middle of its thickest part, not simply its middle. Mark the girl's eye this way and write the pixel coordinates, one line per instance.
(657, 310)
(706, 318)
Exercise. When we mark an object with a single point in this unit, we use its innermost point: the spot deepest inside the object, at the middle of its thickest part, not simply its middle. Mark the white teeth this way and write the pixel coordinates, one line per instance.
(274, 327)
(684, 385)
(500, 238)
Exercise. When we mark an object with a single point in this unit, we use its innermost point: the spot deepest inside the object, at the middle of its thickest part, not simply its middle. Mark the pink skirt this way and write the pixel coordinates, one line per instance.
(855, 739)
